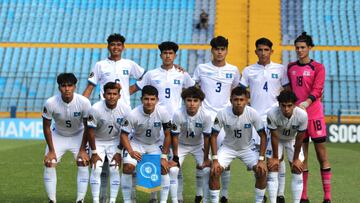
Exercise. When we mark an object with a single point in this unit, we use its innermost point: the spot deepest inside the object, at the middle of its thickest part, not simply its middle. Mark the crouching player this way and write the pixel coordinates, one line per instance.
(189, 124)
(104, 123)
(69, 112)
(237, 121)
(146, 122)
(287, 124)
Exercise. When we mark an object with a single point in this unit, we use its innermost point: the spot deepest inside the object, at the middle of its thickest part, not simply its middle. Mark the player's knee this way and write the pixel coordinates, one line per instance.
(173, 172)
(96, 172)
(128, 168)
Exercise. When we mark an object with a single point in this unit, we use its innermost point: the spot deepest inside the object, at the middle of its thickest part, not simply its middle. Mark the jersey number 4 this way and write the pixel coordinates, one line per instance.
(265, 87)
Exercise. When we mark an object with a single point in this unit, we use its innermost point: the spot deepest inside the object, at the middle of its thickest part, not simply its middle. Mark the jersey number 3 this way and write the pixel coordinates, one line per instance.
(218, 87)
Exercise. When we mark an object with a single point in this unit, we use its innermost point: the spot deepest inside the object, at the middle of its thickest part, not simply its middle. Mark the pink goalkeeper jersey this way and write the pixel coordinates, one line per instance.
(307, 81)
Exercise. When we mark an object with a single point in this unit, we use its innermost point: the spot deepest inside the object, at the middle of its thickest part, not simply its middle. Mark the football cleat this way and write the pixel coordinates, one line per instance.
(327, 201)
(198, 199)
(223, 199)
(280, 199)
(304, 201)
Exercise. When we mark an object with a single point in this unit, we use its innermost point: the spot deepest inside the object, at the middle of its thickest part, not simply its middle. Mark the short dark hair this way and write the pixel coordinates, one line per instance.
(112, 85)
(264, 41)
(193, 92)
(239, 90)
(68, 78)
(219, 41)
(116, 37)
(305, 38)
(168, 46)
(287, 96)
(149, 90)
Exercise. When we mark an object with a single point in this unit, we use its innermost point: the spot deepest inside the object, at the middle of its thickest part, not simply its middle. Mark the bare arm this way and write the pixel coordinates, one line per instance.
(275, 143)
(175, 144)
(88, 90)
(48, 135)
(167, 142)
(84, 138)
(298, 143)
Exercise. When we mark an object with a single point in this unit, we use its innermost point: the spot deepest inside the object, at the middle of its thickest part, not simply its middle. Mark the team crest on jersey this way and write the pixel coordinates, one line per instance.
(157, 124)
(306, 73)
(295, 127)
(274, 75)
(91, 75)
(228, 75)
(77, 114)
(216, 121)
(125, 72)
(198, 125)
(44, 110)
(119, 120)
(293, 72)
(177, 82)
(247, 125)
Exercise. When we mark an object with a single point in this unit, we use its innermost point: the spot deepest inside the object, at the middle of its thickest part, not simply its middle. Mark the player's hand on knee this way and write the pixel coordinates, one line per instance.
(135, 155)
(206, 163)
(83, 158)
(94, 159)
(117, 159)
(216, 168)
(273, 164)
(297, 166)
(50, 159)
(164, 166)
(260, 169)
(172, 163)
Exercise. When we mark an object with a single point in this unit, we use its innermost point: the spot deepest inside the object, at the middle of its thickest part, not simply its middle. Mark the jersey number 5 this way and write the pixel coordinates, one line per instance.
(68, 123)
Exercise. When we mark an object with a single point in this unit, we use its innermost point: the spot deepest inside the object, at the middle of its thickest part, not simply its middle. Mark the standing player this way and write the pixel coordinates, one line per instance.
(190, 131)
(104, 124)
(113, 69)
(169, 81)
(216, 79)
(287, 124)
(69, 112)
(266, 79)
(146, 121)
(237, 121)
(307, 79)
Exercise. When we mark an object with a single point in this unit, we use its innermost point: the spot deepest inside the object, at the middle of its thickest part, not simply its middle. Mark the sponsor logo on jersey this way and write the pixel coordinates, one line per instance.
(77, 114)
(107, 74)
(157, 82)
(228, 75)
(227, 126)
(293, 72)
(198, 125)
(125, 122)
(91, 75)
(274, 75)
(247, 125)
(177, 82)
(157, 124)
(295, 127)
(125, 72)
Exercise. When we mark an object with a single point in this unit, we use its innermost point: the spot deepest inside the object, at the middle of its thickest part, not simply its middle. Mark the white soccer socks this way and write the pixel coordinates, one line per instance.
(272, 186)
(199, 182)
(126, 188)
(114, 182)
(82, 182)
(281, 175)
(214, 196)
(225, 181)
(259, 195)
(50, 182)
(206, 178)
(180, 186)
(165, 184)
(296, 186)
(173, 173)
(95, 182)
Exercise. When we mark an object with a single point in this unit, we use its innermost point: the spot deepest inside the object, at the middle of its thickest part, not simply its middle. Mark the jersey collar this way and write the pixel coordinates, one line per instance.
(267, 65)
(170, 70)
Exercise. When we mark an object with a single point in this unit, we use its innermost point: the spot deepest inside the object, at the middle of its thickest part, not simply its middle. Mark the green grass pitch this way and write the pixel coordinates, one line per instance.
(21, 178)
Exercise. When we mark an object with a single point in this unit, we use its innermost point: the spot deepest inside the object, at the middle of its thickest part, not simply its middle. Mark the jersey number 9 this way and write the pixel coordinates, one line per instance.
(167, 92)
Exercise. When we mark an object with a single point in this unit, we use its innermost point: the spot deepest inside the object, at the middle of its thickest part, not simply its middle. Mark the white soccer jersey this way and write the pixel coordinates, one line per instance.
(190, 129)
(287, 127)
(120, 71)
(146, 128)
(238, 129)
(169, 83)
(68, 117)
(107, 122)
(216, 83)
(265, 85)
